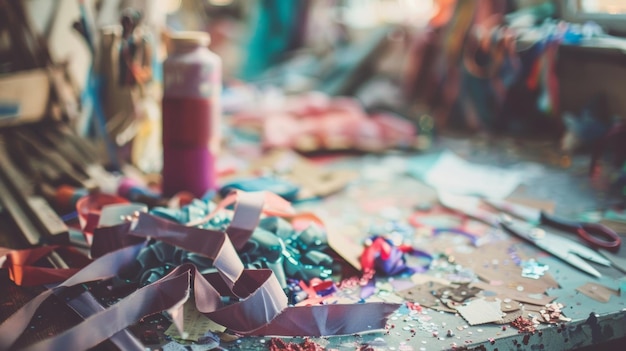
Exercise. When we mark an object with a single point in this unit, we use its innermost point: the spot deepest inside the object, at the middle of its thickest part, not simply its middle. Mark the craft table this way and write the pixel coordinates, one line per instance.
(384, 192)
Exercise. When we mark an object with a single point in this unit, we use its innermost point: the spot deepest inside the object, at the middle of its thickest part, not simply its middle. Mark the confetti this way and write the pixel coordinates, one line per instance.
(533, 269)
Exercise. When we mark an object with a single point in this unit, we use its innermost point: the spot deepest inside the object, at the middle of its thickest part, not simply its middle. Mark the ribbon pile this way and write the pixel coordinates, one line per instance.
(245, 301)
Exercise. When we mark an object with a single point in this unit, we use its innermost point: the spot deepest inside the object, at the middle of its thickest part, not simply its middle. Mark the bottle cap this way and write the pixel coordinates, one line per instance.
(190, 38)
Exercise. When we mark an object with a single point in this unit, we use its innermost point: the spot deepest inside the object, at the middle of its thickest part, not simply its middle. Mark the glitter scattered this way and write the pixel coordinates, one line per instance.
(525, 324)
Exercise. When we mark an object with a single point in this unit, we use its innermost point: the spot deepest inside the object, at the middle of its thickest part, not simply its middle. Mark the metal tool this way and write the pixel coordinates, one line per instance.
(569, 251)
(594, 234)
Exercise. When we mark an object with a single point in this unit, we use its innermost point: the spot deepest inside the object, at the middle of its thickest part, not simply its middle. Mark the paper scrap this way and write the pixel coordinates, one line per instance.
(443, 173)
(424, 295)
(457, 292)
(598, 292)
(481, 311)
(553, 313)
(424, 278)
(510, 317)
(196, 324)
(313, 180)
(504, 292)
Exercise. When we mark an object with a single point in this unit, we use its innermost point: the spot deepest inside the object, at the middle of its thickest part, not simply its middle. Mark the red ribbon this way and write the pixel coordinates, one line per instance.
(24, 271)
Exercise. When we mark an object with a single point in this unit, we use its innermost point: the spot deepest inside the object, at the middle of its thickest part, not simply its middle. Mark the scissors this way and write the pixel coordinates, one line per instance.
(569, 251)
(596, 235)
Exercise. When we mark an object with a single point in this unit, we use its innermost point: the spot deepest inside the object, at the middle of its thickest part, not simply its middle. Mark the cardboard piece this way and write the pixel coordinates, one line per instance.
(503, 292)
(457, 292)
(424, 294)
(24, 97)
(314, 181)
(598, 292)
(481, 311)
(501, 269)
(510, 317)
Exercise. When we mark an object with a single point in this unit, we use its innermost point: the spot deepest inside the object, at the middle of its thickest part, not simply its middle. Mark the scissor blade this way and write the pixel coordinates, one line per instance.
(527, 213)
(560, 247)
(521, 229)
(468, 205)
(565, 249)
(589, 254)
(581, 264)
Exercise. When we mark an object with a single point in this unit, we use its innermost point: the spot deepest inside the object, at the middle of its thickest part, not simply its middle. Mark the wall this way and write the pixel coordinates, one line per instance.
(585, 72)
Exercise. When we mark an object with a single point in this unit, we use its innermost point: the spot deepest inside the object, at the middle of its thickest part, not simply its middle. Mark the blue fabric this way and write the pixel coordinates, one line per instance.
(272, 35)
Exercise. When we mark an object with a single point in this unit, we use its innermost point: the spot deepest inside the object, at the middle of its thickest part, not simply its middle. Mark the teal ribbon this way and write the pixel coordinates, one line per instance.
(274, 244)
(156, 260)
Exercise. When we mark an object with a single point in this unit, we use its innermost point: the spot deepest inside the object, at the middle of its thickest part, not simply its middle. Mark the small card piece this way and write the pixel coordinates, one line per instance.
(504, 292)
(314, 180)
(481, 311)
(598, 292)
(442, 174)
(424, 294)
(510, 317)
(196, 325)
(457, 292)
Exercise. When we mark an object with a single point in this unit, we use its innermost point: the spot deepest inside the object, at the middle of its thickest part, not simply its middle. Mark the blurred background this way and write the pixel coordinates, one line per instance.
(400, 73)
(129, 100)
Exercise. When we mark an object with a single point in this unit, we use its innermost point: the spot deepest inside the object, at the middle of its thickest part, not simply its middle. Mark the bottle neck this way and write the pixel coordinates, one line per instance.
(181, 48)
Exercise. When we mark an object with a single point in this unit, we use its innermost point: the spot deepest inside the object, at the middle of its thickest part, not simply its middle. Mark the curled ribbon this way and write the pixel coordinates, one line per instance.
(23, 270)
(260, 306)
(382, 256)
